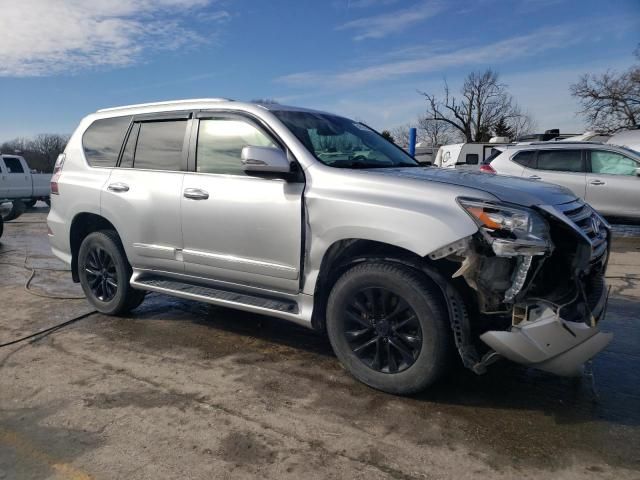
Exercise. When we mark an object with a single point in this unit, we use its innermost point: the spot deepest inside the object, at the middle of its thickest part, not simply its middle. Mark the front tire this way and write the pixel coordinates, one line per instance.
(388, 326)
(104, 274)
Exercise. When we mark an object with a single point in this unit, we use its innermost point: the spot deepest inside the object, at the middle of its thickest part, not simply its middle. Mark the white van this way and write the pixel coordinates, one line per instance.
(467, 154)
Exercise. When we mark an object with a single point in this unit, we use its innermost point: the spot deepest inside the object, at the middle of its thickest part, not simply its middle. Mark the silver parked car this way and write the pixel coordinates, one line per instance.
(239, 205)
(605, 176)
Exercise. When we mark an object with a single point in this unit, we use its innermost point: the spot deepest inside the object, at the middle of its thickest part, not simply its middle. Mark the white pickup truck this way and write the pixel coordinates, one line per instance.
(19, 187)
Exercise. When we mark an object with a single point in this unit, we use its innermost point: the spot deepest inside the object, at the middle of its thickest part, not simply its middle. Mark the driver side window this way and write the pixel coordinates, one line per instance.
(612, 163)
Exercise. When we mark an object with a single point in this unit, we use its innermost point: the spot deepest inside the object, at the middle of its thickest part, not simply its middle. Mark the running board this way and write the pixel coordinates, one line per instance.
(279, 307)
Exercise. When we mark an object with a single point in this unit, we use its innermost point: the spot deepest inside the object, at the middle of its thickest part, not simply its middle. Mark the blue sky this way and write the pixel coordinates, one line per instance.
(62, 59)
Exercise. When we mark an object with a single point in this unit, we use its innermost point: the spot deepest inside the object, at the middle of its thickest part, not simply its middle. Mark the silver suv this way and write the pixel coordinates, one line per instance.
(606, 176)
(277, 210)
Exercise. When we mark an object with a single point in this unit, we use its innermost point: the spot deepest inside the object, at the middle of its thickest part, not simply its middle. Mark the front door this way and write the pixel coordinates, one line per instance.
(236, 227)
(613, 185)
(142, 195)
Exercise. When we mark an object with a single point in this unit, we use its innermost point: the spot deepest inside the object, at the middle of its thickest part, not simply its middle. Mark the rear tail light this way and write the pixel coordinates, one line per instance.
(487, 169)
(57, 172)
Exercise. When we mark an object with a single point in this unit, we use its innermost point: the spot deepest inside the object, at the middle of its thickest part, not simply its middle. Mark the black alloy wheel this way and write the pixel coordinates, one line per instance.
(389, 326)
(382, 330)
(101, 274)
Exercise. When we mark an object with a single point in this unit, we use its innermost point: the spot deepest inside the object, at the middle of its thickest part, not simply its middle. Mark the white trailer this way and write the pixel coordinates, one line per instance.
(468, 155)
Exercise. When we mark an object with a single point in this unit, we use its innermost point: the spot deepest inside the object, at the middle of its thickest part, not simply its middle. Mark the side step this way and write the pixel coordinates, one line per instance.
(214, 295)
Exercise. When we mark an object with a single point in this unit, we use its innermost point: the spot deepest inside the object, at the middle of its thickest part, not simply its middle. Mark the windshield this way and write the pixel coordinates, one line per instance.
(342, 143)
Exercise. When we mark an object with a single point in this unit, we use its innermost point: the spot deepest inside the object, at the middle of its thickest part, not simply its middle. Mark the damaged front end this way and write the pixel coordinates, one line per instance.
(535, 279)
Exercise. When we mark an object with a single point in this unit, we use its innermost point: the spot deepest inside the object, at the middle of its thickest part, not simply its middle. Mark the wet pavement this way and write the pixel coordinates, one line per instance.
(181, 389)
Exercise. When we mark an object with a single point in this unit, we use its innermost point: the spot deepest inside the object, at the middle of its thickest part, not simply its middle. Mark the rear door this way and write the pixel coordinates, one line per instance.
(239, 228)
(142, 195)
(613, 186)
(559, 166)
(18, 180)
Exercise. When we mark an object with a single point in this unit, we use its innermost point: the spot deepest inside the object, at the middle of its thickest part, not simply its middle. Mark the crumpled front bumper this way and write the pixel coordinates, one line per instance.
(547, 342)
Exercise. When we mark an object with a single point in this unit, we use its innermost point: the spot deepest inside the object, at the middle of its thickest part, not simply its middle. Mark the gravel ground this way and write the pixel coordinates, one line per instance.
(183, 390)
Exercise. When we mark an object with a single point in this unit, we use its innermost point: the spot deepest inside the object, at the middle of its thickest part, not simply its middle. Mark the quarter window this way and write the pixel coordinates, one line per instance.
(13, 165)
(560, 160)
(526, 159)
(472, 158)
(612, 163)
(160, 145)
(220, 144)
(103, 139)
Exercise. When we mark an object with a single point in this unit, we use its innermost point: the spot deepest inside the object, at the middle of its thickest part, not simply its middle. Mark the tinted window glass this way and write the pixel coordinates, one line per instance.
(13, 165)
(103, 139)
(560, 160)
(472, 158)
(220, 144)
(130, 148)
(343, 143)
(160, 145)
(494, 153)
(612, 163)
(526, 159)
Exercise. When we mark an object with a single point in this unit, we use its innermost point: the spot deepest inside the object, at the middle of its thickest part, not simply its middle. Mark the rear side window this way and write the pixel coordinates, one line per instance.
(160, 145)
(103, 139)
(494, 153)
(13, 165)
(560, 160)
(526, 159)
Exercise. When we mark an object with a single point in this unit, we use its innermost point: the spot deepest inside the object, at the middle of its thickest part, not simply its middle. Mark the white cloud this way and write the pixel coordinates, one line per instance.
(379, 26)
(44, 37)
(504, 50)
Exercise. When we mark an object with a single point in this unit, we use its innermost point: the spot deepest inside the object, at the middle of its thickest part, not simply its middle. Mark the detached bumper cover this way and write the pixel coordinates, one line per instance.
(549, 343)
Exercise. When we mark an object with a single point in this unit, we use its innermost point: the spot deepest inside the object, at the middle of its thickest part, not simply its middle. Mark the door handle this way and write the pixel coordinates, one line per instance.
(535, 177)
(118, 187)
(597, 182)
(195, 194)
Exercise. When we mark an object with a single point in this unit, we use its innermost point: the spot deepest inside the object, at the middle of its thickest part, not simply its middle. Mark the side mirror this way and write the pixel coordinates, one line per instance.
(265, 159)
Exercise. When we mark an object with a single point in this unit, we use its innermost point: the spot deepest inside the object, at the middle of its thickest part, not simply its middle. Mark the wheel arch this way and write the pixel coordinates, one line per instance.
(343, 254)
(455, 294)
(82, 225)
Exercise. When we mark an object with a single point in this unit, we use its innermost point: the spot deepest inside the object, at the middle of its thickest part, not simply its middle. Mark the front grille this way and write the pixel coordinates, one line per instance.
(584, 217)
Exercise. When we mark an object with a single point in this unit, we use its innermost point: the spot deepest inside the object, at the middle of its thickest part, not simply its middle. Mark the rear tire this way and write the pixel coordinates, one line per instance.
(104, 273)
(17, 208)
(388, 326)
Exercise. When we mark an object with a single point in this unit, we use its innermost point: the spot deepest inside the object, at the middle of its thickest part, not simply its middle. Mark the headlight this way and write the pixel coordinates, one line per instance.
(510, 230)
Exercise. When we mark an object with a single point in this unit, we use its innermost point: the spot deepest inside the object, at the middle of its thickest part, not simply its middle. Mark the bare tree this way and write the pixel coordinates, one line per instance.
(40, 152)
(400, 135)
(483, 102)
(523, 124)
(17, 145)
(610, 101)
(49, 145)
(435, 132)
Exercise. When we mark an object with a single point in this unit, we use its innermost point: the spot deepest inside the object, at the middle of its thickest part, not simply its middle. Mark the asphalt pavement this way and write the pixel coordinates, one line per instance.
(180, 389)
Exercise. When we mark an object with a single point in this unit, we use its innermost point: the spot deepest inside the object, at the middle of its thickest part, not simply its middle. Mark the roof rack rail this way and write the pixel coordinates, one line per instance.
(564, 142)
(167, 102)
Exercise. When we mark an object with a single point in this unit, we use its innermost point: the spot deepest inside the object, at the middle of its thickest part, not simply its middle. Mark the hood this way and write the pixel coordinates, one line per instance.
(516, 190)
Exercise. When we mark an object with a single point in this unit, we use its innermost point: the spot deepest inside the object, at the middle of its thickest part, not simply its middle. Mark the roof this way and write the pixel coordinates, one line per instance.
(168, 103)
(565, 146)
(195, 103)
